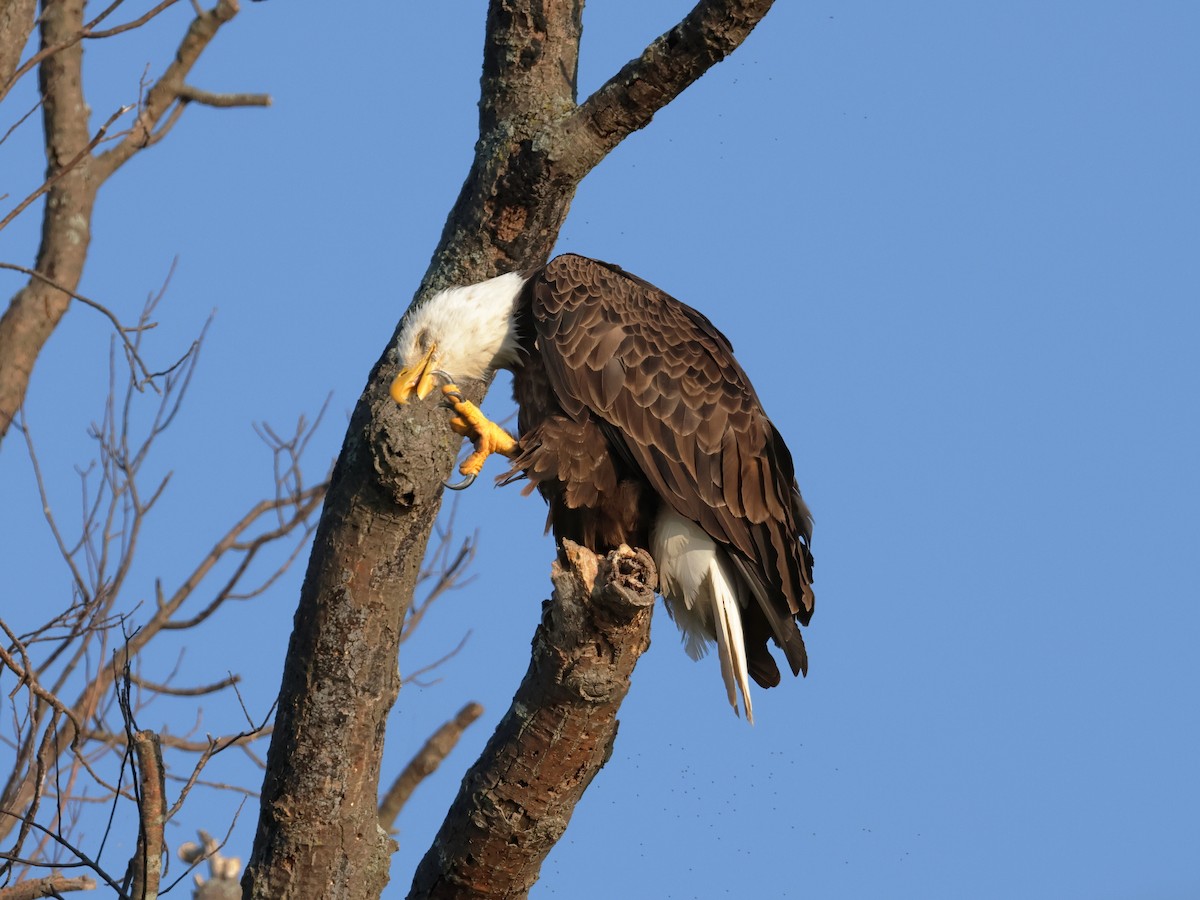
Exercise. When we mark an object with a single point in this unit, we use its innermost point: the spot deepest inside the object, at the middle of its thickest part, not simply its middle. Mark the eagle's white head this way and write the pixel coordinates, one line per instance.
(462, 331)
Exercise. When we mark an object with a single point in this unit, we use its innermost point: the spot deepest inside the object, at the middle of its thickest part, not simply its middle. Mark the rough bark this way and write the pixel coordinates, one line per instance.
(318, 834)
(516, 801)
(145, 866)
(16, 24)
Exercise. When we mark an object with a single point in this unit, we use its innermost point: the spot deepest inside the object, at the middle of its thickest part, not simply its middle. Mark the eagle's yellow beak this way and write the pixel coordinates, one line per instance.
(415, 379)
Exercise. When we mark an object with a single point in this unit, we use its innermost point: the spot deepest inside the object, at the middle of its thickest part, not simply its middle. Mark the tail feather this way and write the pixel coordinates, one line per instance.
(704, 596)
(731, 647)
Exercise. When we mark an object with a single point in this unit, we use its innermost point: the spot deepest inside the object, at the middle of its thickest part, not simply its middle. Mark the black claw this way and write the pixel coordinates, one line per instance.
(449, 380)
(460, 486)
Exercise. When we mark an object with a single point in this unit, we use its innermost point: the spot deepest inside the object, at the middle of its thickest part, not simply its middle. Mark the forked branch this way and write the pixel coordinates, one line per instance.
(628, 101)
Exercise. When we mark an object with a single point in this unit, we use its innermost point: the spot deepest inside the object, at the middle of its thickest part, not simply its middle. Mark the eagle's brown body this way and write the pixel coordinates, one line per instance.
(631, 401)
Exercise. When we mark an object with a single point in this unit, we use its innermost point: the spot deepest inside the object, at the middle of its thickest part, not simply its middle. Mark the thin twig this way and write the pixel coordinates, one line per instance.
(183, 744)
(222, 868)
(19, 122)
(199, 691)
(414, 677)
(122, 330)
(71, 164)
(128, 26)
(85, 861)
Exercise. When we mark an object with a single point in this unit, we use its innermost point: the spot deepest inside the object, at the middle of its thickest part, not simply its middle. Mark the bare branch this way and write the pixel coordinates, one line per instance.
(222, 101)
(165, 128)
(112, 738)
(70, 40)
(53, 179)
(123, 331)
(84, 861)
(629, 100)
(145, 867)
(81, 584)
(17, 19)
(556, 735)
(165, 91)
(310, 501)
(50, 886)
(27, 678)
(36, 309)
(113, 518)
(75, 174)
(17, 124)
(185, 692)
(424, 764)
(417, 676)
(449, 578)
(91, 34)
(215, 746)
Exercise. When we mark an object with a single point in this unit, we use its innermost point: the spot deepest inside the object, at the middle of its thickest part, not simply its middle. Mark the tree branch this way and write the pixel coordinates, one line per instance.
(165, 91)
(50, 886)
(146, 865)
(198, 691)
(70, 40)
(224, 101)
(424, 764)
(122, 331)
(71, 164)
(91, 33)
(107, 544)
(516, 801)
(628, 101)
(66, 229)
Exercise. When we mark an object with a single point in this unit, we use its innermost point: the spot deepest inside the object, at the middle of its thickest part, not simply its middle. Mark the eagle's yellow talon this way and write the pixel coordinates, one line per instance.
(473, 464)
(471, 423)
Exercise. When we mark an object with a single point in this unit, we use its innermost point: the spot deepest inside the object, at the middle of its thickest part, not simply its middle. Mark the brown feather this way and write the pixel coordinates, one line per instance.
(629, 398)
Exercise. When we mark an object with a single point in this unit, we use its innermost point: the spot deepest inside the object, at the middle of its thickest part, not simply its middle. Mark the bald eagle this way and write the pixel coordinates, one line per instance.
(638, 427)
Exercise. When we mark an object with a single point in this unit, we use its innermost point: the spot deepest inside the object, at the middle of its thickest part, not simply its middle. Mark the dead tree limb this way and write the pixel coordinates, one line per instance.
(516, 801)
(145, 867)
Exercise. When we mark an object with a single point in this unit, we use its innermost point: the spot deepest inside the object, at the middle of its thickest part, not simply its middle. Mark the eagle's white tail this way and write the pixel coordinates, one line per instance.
(703, 595)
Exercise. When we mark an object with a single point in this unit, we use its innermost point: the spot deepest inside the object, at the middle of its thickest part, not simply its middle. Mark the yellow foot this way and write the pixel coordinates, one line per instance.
(484, 434)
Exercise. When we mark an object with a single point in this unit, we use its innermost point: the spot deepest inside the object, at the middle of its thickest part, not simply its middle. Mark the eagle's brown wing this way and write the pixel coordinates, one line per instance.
(678, 406)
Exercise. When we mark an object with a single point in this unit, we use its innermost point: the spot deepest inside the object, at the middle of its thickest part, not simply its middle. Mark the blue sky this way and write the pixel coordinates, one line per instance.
(954, 245)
